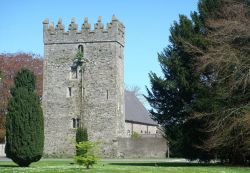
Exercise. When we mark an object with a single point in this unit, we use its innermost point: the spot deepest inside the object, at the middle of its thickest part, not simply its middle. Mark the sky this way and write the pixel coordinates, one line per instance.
(147, 25)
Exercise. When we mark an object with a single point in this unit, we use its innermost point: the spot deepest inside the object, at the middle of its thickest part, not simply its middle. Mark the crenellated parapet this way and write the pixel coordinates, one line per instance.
(113, 32)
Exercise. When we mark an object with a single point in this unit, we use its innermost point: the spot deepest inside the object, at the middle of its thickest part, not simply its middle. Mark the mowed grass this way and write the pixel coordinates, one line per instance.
(120, 165)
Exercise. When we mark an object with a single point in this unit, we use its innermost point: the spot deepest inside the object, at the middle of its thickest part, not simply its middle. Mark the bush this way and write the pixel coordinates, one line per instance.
(24, 122)
(87, 153)
(135, 135)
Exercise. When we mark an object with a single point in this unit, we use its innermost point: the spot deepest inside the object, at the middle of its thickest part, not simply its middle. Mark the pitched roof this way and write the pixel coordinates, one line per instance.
(135, 111)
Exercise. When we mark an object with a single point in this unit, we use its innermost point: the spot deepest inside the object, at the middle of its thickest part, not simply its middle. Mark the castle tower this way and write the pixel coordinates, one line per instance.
(90, 92)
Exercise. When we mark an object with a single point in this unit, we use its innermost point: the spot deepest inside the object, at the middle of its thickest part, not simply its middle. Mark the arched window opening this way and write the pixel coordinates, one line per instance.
(80, 48)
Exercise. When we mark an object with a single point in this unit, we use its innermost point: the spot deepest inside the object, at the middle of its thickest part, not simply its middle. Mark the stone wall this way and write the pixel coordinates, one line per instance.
(144, 147)
(2, 150)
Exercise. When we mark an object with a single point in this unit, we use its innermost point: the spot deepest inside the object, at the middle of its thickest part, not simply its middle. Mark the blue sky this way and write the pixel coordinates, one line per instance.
(147, 25)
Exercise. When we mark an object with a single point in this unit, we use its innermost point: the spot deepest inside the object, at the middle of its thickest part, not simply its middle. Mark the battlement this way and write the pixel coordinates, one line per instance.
(113, 32)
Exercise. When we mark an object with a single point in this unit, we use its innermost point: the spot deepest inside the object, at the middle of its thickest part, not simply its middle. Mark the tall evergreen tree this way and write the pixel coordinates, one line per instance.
(171, 96)
(202, 101)
(24, 121)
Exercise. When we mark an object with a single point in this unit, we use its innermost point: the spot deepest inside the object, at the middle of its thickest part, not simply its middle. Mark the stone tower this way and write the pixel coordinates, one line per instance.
(90, 93)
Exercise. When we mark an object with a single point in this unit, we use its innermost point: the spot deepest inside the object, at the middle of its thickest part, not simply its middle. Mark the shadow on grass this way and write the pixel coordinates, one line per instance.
(163, 164)
(8, 166)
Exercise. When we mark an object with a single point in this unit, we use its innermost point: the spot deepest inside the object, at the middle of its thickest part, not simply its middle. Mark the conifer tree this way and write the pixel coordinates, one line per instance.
(24, 121)
(81, 136)
(171, 96)
(202, 101)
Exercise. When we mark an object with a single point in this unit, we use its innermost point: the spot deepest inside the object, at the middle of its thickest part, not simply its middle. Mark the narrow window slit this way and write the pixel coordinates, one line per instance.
(74, 122)
(69, 91)
(78, 122)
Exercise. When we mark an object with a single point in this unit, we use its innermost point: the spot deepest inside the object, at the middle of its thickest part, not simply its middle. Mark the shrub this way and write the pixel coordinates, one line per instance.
(135, 135)
(24, 121)
(79, 56)
(87, 153)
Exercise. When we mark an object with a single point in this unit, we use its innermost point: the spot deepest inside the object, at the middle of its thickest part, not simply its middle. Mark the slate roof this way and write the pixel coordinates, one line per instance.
(135, 111)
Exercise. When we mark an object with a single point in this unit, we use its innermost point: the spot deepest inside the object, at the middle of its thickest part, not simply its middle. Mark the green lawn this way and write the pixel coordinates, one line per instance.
(114, 166)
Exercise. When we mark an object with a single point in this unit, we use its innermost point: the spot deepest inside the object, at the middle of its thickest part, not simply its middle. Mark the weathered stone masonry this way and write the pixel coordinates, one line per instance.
(95, 95)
